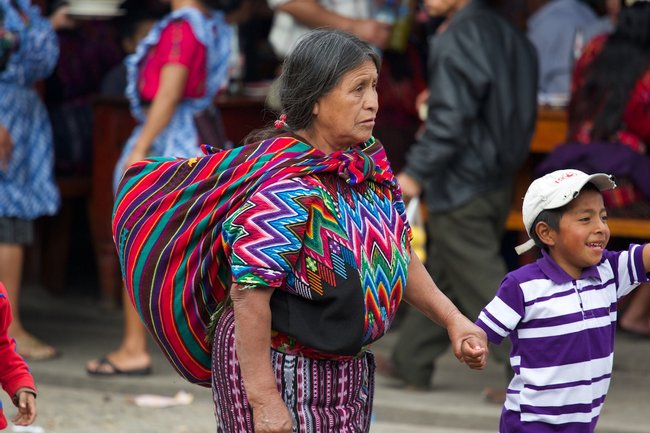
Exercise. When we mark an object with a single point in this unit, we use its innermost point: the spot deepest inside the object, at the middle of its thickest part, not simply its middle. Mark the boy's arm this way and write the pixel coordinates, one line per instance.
(502, 315)
(646, 257)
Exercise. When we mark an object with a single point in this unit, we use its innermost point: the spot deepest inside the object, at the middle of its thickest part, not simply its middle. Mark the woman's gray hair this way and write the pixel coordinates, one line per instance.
(312, 69)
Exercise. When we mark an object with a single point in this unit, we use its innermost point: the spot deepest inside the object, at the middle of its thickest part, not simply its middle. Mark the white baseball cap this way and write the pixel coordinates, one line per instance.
(553, 191)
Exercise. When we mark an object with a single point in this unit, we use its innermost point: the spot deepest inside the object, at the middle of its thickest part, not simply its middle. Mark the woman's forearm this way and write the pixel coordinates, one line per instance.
(253, 341)
(423, 293)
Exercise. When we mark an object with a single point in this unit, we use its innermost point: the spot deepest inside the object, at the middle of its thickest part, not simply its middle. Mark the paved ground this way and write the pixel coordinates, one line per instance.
(72, 402)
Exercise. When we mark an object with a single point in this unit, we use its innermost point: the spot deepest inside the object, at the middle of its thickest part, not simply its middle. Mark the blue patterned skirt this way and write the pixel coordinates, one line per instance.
(27, 187)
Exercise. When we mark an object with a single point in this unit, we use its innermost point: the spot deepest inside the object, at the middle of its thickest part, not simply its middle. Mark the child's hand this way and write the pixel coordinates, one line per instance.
(474, 354)
(25, 401)
(469, 342)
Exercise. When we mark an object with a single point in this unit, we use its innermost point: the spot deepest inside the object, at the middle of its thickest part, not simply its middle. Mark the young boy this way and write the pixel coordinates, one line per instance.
(560, 312)
(15, 377)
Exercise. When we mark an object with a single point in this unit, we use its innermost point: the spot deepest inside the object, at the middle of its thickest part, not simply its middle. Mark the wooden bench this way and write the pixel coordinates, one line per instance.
(550, 131)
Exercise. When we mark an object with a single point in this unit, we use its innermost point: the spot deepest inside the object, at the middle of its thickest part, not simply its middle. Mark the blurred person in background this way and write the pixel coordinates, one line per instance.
(556, 28)
(28, 53)
(481, 113)
(174, 74)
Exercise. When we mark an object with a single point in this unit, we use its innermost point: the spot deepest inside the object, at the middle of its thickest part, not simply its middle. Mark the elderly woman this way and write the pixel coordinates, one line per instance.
(319, 263)
(308, 227)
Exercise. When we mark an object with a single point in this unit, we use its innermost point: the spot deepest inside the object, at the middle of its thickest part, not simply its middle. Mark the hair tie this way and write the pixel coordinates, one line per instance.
(281, 122)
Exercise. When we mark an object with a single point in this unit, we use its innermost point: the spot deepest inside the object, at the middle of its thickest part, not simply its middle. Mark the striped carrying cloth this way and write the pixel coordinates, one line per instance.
(167, 227)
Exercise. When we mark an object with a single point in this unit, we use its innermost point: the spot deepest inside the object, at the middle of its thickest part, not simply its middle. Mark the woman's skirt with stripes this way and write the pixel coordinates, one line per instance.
(322, 395)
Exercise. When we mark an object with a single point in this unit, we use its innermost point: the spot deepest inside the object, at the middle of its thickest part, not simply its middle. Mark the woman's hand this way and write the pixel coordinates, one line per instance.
(253, 342)
(60, 19)
(135, 156)
(410, 187)
(468, 341)
(272, 416)
(6, 146)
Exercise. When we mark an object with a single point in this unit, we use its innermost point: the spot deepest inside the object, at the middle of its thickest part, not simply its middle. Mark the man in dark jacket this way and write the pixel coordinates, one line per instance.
(481, 116)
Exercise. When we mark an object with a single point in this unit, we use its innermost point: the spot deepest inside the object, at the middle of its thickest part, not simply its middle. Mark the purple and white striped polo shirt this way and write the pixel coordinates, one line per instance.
(562, 332)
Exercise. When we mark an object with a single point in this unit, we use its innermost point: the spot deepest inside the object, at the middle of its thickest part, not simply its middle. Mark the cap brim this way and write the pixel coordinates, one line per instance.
(601, 181)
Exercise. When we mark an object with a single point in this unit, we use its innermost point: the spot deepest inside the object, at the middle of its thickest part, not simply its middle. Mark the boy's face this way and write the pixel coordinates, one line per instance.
(583, 234)
(436, 8)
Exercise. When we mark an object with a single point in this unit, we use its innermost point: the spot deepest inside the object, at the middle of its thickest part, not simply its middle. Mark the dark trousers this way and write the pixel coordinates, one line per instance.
(465, 261)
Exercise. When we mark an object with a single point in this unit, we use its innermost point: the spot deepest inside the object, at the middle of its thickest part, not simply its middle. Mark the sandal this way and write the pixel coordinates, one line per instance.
(107, 368)
(33, 349)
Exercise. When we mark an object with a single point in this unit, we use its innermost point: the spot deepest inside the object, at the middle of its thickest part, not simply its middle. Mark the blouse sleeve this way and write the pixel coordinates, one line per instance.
(179, 45)
(264, 237)
(502, 315)
(38, 49)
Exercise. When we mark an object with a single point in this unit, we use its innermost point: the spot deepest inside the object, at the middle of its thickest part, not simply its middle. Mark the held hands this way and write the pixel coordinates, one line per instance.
(469, 342)
(272, 416)
(25, 401)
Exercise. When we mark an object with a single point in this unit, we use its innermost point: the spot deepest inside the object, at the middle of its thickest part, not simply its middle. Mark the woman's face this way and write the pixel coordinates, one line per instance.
(346, 115)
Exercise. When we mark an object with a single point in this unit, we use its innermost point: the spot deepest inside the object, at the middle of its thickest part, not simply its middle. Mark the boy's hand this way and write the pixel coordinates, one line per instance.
(468, 341)
(473, 354)
(25, 401)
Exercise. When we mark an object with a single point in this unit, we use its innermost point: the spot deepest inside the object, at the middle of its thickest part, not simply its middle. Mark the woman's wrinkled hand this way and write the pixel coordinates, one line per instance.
(272, 416)
(6, 146)
(469, 342)
(410, 187)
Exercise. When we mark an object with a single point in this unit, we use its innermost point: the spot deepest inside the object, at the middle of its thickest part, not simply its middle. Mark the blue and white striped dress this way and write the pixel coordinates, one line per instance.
(180, 137)
(27, 188)
(562, 332)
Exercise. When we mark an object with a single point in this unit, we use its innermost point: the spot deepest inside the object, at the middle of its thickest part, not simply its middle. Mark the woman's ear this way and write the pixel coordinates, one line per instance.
(546, 233)
(316, 109)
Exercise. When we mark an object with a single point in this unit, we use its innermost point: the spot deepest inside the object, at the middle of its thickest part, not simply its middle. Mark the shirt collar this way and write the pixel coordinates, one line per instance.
(558, 275)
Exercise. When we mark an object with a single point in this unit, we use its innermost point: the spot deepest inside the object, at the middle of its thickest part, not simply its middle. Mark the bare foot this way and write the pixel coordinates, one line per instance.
(33, 349)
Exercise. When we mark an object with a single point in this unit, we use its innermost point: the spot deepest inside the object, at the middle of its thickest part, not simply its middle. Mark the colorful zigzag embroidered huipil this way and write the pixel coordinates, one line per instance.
(168, 225)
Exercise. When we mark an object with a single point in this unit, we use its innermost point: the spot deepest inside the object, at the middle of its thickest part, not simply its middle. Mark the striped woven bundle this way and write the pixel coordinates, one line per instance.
(167, 226)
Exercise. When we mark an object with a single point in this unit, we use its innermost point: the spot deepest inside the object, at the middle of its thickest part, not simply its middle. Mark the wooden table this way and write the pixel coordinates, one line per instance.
(550, 130)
